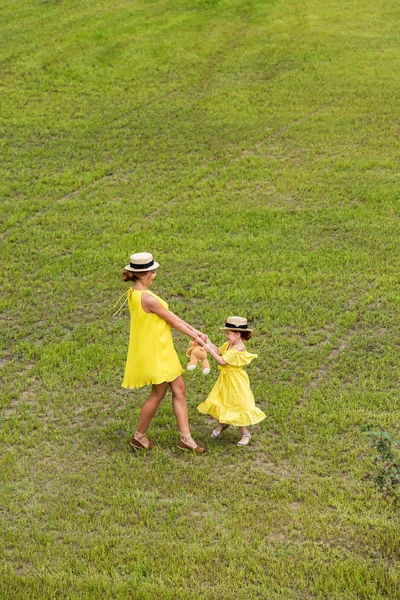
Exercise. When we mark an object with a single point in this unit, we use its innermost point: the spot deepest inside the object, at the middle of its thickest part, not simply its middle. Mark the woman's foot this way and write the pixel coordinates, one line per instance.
(244, 440)
(139, 441)
(218, 430)
(186, 442)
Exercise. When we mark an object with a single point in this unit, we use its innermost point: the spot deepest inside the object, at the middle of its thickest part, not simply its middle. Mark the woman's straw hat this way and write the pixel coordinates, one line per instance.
(141, 262)
(236, 324)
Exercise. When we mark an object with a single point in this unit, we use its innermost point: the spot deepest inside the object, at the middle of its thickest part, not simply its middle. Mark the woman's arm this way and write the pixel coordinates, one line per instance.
(152, 305)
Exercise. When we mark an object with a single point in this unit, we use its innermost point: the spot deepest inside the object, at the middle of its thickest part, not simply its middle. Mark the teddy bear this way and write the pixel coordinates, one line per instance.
(196, 353)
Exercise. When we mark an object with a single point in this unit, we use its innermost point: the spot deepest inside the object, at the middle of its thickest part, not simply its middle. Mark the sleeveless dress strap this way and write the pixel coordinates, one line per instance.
(126, 294)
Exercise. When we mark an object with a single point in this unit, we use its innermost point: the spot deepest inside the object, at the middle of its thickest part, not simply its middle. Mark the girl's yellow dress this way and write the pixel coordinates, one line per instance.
(152, 358)
(231, 400)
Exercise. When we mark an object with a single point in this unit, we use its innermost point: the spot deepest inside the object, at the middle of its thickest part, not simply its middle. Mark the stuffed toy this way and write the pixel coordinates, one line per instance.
(196, 353)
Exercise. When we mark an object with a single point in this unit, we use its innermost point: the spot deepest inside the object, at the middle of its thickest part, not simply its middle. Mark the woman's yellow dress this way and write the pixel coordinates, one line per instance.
(231, 400)
(152, 358)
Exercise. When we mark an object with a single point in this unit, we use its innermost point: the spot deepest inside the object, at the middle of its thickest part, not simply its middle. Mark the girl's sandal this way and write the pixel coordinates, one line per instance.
(245, 435)
(215, 434)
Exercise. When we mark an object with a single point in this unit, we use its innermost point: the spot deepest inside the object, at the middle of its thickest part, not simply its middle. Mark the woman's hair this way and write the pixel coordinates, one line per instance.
(129, 275)
(245, 335)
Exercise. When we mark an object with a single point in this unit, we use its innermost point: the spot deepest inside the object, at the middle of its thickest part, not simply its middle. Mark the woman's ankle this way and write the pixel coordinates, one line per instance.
(187, 439)
(141, 437)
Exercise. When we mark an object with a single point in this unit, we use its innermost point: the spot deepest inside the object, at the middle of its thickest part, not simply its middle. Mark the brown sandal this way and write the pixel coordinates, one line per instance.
(182, 445)
(134, 443)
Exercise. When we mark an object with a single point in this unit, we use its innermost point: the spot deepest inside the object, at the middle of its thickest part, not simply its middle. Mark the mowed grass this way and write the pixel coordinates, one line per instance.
(252, 146)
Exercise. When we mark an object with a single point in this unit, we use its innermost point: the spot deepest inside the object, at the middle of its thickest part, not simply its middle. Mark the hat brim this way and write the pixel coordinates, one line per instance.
(152, 268)
(236, 329)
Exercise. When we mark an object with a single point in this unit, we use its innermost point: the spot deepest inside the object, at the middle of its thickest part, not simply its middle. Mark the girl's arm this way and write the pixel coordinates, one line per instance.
(213, 346)
(215, 354)
(152, 305)
(214, 351)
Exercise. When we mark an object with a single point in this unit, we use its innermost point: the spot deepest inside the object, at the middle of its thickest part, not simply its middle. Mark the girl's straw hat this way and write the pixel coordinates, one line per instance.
(141, 262)
(236, 324)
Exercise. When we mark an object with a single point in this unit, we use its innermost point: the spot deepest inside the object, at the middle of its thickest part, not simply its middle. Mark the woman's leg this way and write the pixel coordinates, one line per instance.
(179, 405)
(149, 408)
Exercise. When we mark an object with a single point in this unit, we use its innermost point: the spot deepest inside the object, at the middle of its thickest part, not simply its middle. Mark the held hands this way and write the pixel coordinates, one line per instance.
(200, 337)
(203, 340)
(206, 344)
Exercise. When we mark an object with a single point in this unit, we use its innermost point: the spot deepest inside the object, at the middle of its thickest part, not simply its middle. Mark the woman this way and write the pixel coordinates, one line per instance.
(152, 358)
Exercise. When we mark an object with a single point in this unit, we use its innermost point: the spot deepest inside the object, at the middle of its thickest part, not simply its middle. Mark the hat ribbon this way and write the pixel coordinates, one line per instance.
(231, 325)
(134, 266)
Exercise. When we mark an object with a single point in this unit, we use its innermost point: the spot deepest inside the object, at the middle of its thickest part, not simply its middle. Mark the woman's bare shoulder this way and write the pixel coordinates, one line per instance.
(149, 302)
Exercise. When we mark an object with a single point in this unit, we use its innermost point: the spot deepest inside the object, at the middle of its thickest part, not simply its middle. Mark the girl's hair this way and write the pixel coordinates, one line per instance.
(129, 276)
(245, 335)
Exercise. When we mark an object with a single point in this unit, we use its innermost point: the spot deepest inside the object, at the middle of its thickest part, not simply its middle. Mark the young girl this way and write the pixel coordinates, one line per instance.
(231, 400)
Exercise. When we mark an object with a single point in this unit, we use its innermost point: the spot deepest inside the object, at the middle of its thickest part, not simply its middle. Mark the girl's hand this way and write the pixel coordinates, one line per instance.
(207, 346)
(211, 348)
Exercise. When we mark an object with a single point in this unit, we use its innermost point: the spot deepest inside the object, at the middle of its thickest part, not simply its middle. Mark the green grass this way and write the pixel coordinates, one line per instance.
(252, 146)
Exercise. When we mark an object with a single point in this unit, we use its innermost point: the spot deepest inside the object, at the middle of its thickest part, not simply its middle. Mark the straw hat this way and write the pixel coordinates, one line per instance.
(141, 262)
(236, 324)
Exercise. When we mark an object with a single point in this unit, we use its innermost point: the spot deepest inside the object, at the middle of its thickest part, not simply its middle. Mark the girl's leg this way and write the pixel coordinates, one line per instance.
(148, 411)
(245, 439)
(219, 429)
(180, 409)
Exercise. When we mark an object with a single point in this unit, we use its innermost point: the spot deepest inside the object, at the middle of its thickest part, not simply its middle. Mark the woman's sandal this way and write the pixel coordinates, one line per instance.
(246, 435)
(215, 434)
(137, 445)
(183, 445)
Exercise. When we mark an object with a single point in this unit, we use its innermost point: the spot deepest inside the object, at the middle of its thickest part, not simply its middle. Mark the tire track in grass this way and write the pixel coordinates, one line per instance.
(324, 368)
(359, 306)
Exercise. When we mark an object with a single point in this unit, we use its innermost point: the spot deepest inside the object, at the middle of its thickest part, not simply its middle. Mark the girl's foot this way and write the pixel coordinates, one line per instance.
(218, 430)
(139, 441)
(187, 443)
(244, 440)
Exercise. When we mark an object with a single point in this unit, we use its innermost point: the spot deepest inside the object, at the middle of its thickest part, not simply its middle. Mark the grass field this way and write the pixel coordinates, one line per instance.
(252, 146)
